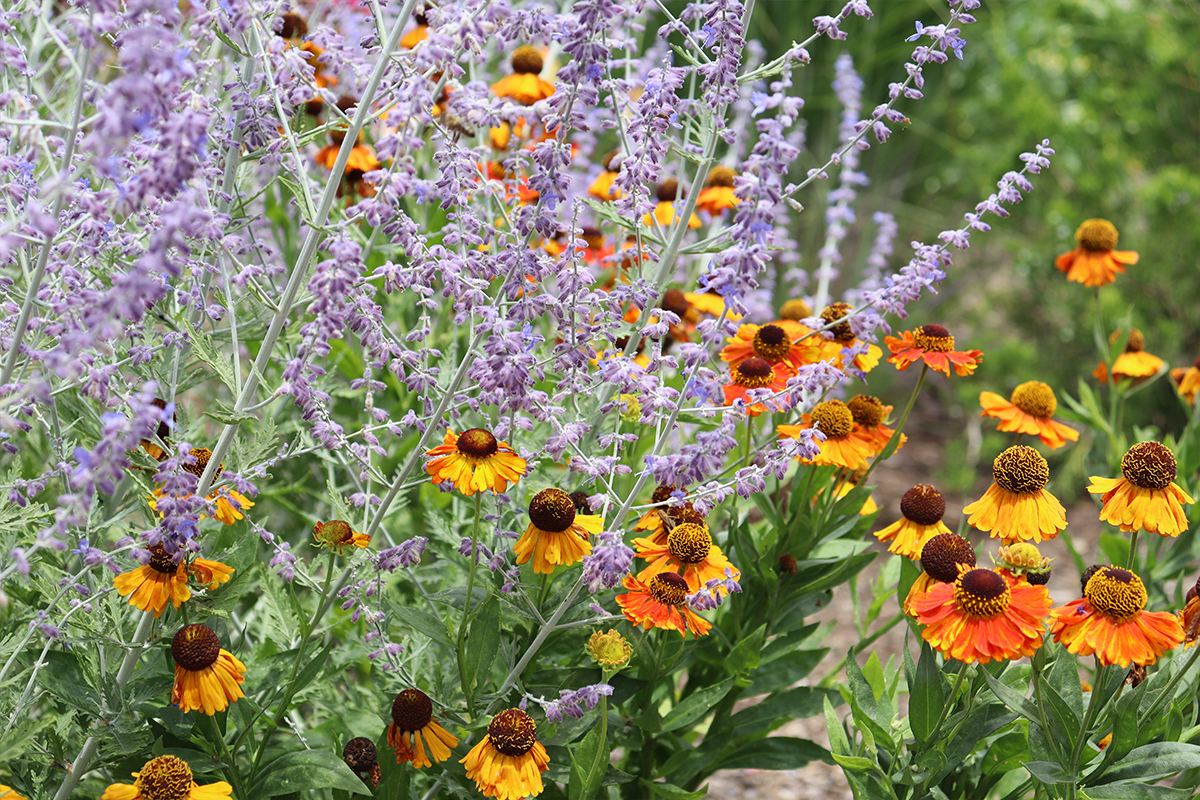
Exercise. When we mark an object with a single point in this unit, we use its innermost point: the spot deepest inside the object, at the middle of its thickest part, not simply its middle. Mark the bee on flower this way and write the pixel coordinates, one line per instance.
(843, 336)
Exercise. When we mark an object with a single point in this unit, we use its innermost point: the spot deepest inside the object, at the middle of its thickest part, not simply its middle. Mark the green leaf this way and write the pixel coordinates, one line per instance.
(982, 723)
(1048, 772)
(304, 771)
(428, 624)
(671, 792)
(854, 763)
(589, 762)
(1136, 791)
(483, 643)
(696, 706)
(776, 752)
(837, 734)
(1154, 761)
(747, 653)
(927, 696)
(868, 714)
(766, 715)
(1011, 698)
(785, 671)
(873, 672)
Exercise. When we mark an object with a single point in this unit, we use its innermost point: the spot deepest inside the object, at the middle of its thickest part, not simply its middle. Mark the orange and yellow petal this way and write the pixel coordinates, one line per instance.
(1137, 364)
(226, 511)
(8, 793)
(640, 608)
(1022, 517)
(603, 187)
(524, 87)
(921, 585)
(211, 689)
(1133, 508)
(1094, 268)
(1015, 632)
(506, 777)
(151, 590)
(1138, 639)
(550, 549)
(715, 199)
(1014, 420)
(908, 538)
(210, 573)
(664, 213)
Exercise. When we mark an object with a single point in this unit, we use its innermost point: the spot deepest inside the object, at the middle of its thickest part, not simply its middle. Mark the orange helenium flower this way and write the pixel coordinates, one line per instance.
(162, 580)
(869, 415)
(1017, 506)
(1187, 382)
(933, 345)
(475, 462)
(839, 449)
(557, 536)
(1133, 364)
(162, 778)
(981, 617)
(1110, 622)
(418, 34)
(337, 535)
(922, 509)
(844, 337)
(689, 549)
(413, 726)
(1145, 497)
(229, 504)
(664, 518)
(1030, 410)
(664, 211)
(1094, 262)
(717, 194)
(755, 373)
(782, 342)
(524, 85)
(509, 761)
(661, 604)
(207, 677)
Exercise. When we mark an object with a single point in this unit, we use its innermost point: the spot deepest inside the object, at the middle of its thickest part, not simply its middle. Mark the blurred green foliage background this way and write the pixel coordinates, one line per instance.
(1115, 86)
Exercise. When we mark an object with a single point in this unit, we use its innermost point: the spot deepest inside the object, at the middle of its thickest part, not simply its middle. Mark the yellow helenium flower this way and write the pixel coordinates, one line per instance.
(475, 461)
(557, 536)
(1029, 412)
(524, 85)
(509, 761)
(1017, 506)
(689, 549)
(1145, 497)
(165, 778)
(413, 722)
(162, 580)
(921, 509)
(1095, 262)
(207, 677)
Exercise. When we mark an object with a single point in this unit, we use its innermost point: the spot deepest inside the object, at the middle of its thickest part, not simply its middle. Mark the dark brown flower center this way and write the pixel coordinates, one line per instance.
(552, 510)
(981, 593)
(162, 561)
(1036, 399)
(669, 589)
(868, 411)
(833, 312)
(943, 554)
(202, 455)
(1021, 470)
(690, 543)
(1087, 576)
(675, 302)
(477, 443)
(771, 343)
(832, 418)
(720, 175)
(195, 647)
(933, 339)
(512, 732)
(612, 161)
(924, 505)
(526, 60)
(1116, 592)
(795, 310)
(164, 778)
(164, 430)
(662, 493)
(594, 238)
(294, 26)
(1149, 465)
(667, 191)
(360, 754)
(412, 710)
(1096, 235)
(753, 373)
(686, 513)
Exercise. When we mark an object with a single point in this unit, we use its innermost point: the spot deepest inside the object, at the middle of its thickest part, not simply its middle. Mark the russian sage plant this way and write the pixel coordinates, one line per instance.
(427, 398)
